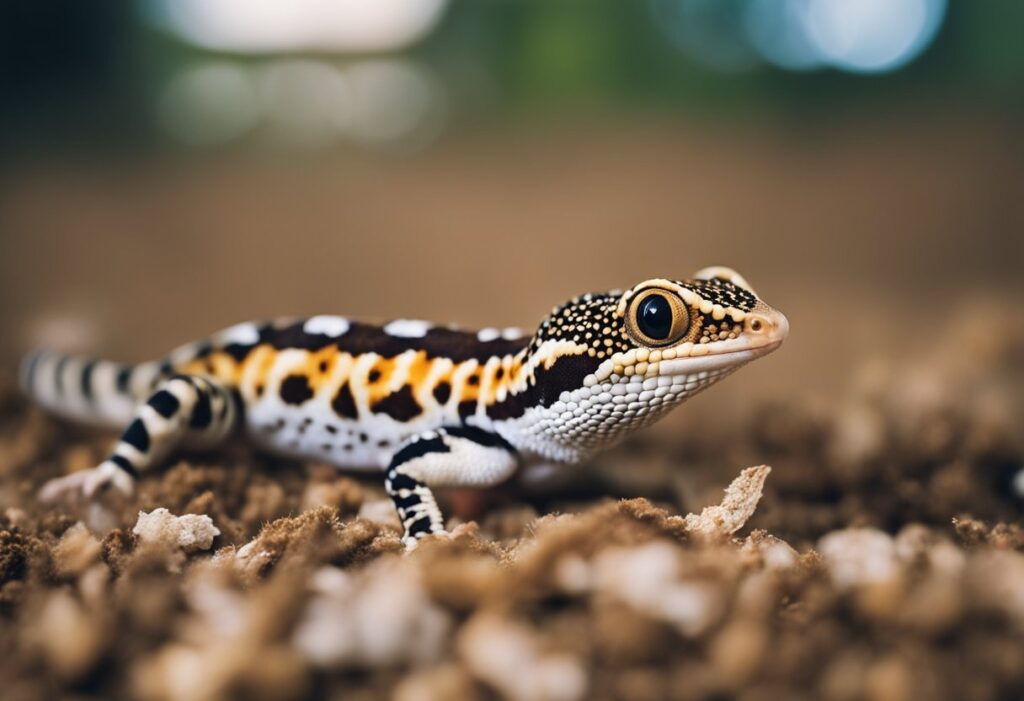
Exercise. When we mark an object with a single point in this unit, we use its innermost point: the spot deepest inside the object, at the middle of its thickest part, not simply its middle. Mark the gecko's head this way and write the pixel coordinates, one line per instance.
(607, 363)
(712, 322)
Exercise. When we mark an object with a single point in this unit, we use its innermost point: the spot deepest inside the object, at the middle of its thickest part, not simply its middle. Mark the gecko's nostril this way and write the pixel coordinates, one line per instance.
(769, 327)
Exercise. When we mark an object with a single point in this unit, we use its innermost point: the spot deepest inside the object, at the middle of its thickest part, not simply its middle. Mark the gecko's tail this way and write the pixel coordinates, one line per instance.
(84, 389)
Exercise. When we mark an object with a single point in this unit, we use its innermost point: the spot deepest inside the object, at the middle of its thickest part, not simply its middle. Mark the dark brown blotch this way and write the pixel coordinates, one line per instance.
(443, 392)
(344, 404)
(295, 389)
(400, 405)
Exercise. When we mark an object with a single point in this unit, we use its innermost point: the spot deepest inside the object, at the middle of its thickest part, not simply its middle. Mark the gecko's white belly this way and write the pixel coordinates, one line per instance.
(314, 432)
(349, 454)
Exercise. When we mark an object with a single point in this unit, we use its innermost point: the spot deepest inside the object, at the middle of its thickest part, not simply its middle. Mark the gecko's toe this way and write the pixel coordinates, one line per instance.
(63, 489)
(86, 485)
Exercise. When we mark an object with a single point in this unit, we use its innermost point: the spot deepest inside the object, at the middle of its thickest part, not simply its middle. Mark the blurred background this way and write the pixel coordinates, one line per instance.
(174, 167)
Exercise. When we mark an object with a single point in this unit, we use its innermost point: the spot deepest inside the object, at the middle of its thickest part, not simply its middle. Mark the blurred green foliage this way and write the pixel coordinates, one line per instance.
(94, 75)
(553, 55)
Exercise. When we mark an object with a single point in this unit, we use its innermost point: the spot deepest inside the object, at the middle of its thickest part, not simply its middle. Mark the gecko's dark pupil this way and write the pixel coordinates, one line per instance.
(654, 317)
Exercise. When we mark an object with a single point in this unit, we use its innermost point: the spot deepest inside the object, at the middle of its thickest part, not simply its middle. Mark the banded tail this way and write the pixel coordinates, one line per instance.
(99, 392)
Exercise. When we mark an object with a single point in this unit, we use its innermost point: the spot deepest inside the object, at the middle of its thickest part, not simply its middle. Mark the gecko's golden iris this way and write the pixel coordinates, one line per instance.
(657, 318)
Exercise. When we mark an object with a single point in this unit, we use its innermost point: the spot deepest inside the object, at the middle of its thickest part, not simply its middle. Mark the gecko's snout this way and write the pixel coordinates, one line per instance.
(769, 326)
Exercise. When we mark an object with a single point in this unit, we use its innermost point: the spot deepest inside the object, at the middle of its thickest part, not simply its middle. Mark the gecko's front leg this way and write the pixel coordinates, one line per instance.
(454, 456)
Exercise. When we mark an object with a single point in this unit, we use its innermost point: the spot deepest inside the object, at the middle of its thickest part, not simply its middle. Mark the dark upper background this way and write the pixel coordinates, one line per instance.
(171, 168)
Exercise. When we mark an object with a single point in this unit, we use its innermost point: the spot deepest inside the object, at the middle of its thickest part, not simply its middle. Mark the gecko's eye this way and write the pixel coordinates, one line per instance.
(657, 318)
(654, 317)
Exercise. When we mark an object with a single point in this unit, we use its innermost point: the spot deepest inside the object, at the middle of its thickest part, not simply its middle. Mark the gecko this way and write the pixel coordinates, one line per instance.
(430, 406)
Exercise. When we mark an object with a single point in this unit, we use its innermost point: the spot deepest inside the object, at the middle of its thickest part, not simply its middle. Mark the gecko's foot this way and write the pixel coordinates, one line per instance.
(87, 485)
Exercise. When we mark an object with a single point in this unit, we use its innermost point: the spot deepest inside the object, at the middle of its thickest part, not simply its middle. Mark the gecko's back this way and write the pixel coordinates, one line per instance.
(324, 387)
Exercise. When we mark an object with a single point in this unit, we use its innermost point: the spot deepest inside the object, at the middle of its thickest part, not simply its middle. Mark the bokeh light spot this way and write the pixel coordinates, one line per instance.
(208, 104)
(266, 26)
(872, 36)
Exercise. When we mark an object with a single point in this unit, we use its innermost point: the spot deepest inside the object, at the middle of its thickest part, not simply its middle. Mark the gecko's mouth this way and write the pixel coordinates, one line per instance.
(723, 354)
(718, 361)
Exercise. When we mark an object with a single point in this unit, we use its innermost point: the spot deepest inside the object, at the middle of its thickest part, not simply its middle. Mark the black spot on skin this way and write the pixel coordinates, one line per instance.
(467, 408)
(418, 449)
(331, 429)
(383, 443)
(137, 436)
(499, 373)
(85, 379)
(406, 503)
(420, 525)
(164, 403)
(202, 413)
(400, 405)
(122, 462)
(203, 349)
(400, 480)
(259, 390)
(347, 446)
(238, 351)
(124, 377)
(488, 439)
(210, 369)
(344, 404)
(373, 376)
(363, 438)
(326, 447)
(295, 389)
(323, 366)
(473, 380)
(443, 392)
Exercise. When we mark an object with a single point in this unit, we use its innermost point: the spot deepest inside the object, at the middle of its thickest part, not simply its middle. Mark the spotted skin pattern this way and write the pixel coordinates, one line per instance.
(431, 406)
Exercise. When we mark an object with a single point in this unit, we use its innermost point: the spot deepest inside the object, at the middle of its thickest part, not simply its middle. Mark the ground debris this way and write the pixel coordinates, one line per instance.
(190, 532)
(1005, 536)
(883, 559)
(741, 498)
(314, 537)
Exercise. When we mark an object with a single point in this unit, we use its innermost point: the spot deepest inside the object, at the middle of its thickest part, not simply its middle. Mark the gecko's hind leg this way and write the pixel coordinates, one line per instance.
(184, 410)
(456, 456)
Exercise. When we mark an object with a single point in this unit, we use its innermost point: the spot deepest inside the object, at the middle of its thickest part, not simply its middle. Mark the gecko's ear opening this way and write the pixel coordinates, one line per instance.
(720, 272)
